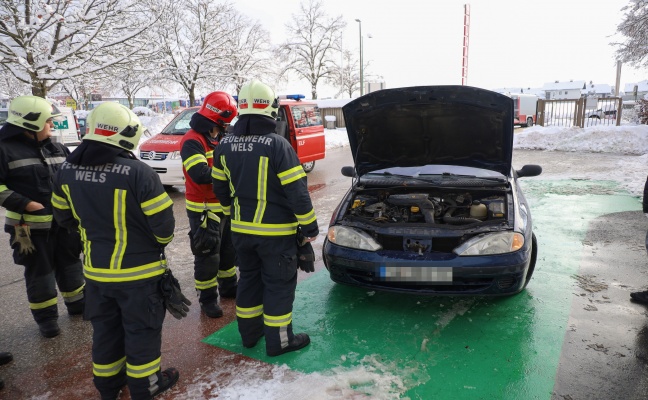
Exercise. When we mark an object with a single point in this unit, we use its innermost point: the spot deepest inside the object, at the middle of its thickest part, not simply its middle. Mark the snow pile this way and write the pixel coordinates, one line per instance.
(624, 139)
(371, 379)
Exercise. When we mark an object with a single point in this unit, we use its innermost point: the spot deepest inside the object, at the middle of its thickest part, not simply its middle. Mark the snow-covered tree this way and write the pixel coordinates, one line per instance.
(45, 42)
(634, 26)
(81, 88)
(313, 41)
(345, 77)
(195, 42)
(251, 54)
(11, 87)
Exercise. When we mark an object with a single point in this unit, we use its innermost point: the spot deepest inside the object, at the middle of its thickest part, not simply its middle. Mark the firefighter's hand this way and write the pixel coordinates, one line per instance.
(34, 206)
(306, 257)
(174, 301)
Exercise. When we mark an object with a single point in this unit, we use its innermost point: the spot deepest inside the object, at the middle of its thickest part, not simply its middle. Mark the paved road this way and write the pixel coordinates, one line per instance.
(571, 335)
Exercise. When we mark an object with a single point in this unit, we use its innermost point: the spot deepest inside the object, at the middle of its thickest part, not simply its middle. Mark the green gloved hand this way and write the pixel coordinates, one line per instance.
(23, 238)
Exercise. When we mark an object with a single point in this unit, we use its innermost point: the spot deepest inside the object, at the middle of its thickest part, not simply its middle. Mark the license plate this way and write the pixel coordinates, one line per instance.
(415, 274)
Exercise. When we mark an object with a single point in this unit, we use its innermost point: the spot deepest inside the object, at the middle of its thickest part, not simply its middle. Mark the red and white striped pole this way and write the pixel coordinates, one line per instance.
(466, 41)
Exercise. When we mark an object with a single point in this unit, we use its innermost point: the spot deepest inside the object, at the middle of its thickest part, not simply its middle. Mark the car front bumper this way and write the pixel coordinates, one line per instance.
(502, 274)
(170, 171)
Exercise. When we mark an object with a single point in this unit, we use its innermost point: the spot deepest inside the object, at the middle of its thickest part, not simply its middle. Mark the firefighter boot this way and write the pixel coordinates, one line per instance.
(76, 307)
(169, 378)
(300, 341)
(209, 303)
(5, 358)
(639, 297)
(49, 328)
(227, 287)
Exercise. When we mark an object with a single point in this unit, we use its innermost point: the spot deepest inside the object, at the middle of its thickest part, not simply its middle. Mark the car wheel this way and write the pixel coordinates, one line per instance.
(529, 122)
(534, 256)
(308, 166)
(167, 187)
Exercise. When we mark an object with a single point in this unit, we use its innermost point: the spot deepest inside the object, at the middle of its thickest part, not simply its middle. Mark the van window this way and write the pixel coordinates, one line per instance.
(3, 116)
(306, 115)
(180, 124)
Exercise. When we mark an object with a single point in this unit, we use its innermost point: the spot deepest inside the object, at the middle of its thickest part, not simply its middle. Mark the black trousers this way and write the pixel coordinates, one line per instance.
(266, 288)
(127, 321)
(54, 262)
(217, 268)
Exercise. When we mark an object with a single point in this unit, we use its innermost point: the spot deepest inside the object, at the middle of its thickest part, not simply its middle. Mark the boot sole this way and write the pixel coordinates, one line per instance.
(288, 349)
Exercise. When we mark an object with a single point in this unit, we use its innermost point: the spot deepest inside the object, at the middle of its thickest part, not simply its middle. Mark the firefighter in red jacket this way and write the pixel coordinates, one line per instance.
(215, 268)
(260, 181)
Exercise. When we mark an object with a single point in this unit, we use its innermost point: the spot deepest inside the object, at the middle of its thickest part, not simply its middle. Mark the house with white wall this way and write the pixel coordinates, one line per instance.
(629, 91)
(599, 91)
(563, 90)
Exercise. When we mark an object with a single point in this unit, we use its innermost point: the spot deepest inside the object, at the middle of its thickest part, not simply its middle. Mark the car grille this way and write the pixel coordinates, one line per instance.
(153, 155)
(439, 244)
(160, 170)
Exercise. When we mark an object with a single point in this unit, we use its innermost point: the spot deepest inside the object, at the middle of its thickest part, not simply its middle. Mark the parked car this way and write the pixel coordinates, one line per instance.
(299, 122)
(598, 114)
(435, 206)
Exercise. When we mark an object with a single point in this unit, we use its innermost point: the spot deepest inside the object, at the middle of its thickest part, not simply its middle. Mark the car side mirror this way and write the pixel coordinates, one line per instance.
(529, 170)
(348, 171)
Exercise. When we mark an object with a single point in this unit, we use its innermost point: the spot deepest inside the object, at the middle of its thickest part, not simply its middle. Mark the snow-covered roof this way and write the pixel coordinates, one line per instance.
(598, 89)
(564, 85)
(332, 103)
(641, 87)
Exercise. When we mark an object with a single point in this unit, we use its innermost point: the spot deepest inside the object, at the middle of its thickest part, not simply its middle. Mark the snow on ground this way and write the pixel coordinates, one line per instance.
(629, 140)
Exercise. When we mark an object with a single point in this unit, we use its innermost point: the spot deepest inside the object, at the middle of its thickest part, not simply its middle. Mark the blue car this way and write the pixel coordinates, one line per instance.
(435, 206)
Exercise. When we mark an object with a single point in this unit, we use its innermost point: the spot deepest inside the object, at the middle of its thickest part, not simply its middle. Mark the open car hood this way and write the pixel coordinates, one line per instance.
(451, 125)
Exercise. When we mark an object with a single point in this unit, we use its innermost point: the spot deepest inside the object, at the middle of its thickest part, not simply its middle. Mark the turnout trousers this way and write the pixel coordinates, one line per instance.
(127, 322)
(266, 288)
(215, 270)
(55, 261)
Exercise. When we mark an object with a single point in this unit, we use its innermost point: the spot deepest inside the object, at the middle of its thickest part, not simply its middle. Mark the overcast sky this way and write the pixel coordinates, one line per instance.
(513, 43)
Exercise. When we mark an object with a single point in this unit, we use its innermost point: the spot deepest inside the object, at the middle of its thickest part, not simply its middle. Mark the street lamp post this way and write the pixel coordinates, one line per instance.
(361, 60)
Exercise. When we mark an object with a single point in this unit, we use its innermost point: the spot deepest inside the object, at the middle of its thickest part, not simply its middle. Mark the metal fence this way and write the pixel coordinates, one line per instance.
(580, 112)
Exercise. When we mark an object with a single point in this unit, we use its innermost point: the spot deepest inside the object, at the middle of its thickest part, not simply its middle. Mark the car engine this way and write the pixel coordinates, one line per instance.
(429, 208)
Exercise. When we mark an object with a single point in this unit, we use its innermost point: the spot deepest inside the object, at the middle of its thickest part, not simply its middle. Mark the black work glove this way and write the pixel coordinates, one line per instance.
(306, 258)
(207, 237)
(305, 254)
(174, 301)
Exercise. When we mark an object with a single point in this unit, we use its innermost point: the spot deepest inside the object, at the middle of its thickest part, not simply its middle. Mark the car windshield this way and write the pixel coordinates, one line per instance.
(180, 124)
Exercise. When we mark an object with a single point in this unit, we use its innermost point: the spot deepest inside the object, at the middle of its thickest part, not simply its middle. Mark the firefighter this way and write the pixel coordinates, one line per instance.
(126, 220)
(49, 253)
(214, 268)
(260, 182)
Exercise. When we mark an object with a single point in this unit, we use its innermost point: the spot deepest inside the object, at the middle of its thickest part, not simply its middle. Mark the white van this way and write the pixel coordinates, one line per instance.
(66, 130)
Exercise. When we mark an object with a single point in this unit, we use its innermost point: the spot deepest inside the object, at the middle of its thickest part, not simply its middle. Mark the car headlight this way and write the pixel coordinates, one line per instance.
(174, 155)
(491, 243)
(353, 238)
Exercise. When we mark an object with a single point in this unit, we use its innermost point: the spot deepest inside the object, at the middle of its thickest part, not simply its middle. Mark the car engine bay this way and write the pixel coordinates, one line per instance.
(429, 207)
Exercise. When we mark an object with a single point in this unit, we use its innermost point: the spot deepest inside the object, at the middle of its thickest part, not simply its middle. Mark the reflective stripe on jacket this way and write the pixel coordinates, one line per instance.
(26, 171)
(261, 183)
(123, 214)
(197, 152)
